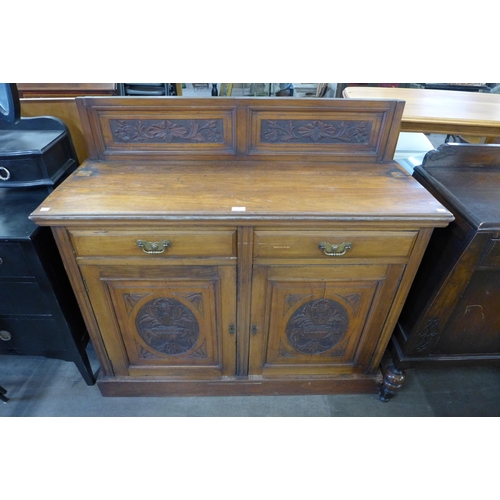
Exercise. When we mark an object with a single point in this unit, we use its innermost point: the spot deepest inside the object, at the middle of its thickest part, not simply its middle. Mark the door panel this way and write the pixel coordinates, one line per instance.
(316, 320)
(166, 321)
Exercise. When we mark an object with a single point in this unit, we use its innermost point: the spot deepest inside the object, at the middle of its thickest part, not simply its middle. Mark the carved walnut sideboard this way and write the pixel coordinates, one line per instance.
(240, 246)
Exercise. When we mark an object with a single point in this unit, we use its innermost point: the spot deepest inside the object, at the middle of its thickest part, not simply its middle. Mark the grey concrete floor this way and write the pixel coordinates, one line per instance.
(41, 387)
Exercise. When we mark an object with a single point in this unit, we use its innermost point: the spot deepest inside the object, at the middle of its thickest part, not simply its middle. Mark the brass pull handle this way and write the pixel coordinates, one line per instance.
(153, 247)
(334, 250)
(4, 174)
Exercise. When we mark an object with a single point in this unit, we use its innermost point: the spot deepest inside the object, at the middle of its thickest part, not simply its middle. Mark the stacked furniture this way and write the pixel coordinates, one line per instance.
(240, 245)
(39, 314)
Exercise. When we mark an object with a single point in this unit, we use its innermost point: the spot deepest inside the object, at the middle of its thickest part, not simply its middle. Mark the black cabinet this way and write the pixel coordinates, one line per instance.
(452, 313)
(39, 315)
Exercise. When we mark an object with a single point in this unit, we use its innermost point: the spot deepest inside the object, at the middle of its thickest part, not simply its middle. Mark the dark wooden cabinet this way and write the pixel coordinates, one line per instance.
(240, 246)
(39, 315)
(452, 314)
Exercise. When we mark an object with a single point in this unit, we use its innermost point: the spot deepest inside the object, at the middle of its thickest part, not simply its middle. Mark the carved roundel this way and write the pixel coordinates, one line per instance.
(317, 326)
(168, 326)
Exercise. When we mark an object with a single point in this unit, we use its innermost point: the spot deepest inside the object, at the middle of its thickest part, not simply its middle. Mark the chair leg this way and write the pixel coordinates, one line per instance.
(3, 396)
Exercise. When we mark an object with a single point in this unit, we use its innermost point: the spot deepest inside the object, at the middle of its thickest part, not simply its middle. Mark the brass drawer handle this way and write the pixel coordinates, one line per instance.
(153, 247)
(5, 335)
(334, 250)
(4, 174)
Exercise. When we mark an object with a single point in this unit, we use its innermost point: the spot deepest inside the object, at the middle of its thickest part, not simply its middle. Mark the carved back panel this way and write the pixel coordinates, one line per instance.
(265, 128)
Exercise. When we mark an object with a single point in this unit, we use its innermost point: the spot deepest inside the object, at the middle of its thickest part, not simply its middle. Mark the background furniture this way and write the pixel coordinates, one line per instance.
(452, 313)
(38, 311)
(149, 89)
(240, 246)
(474, 114)
(462, 87)
(63, 108)
(340, 87)
(411, 149)
(66, 89)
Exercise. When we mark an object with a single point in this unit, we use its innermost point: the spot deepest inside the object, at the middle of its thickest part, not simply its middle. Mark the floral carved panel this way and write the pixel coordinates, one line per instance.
(314, 131)
(167, 326)
(167, 131)
(317, 326)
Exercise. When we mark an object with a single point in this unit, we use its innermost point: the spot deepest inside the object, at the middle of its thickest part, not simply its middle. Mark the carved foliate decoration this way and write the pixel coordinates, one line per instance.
(428, 334)
(195, 298)
(201, 352)
(167, 326)
(307, 131)
(292, 299)
(167, 131)
(441, 152)
(144, 353)
(284, 352)
(354, 301)
(340, 349)
(131, 299)
(317, 326)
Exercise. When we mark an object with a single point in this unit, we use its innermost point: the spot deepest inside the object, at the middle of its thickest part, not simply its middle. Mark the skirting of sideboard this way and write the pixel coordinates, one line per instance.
(349, 384)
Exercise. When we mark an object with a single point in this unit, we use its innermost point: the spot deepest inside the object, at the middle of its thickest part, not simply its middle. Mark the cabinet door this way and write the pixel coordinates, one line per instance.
(166, 320)
(318, 320)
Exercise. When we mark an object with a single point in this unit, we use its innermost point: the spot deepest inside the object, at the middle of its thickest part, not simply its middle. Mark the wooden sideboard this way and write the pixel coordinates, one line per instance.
(452, 314)
(240, 245)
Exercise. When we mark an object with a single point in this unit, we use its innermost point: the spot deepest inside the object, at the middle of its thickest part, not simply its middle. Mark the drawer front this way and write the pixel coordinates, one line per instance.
(31, 336)
(491, 257)
(19, 170)
(12, 261)
(22, 297)
(340, 244)
(169, 243)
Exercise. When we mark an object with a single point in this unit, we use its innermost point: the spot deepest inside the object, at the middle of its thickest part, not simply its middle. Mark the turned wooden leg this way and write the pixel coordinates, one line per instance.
(393, 380)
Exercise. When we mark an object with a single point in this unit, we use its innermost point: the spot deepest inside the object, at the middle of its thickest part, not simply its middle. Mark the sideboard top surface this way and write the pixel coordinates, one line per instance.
(240, 191)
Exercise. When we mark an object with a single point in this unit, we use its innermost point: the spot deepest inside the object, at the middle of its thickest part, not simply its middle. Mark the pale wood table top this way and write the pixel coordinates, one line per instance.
(440, 111)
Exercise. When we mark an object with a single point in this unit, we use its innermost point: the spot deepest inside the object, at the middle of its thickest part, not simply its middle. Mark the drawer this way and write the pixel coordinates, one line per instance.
(491, 257)
(305, 244)
(22, 297)
(31, 336)
(181, 243)
(22, 169)
(12, 261)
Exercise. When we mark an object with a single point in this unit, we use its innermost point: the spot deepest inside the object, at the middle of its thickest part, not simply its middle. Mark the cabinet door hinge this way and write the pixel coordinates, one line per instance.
(85, 285)
(232, 329)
